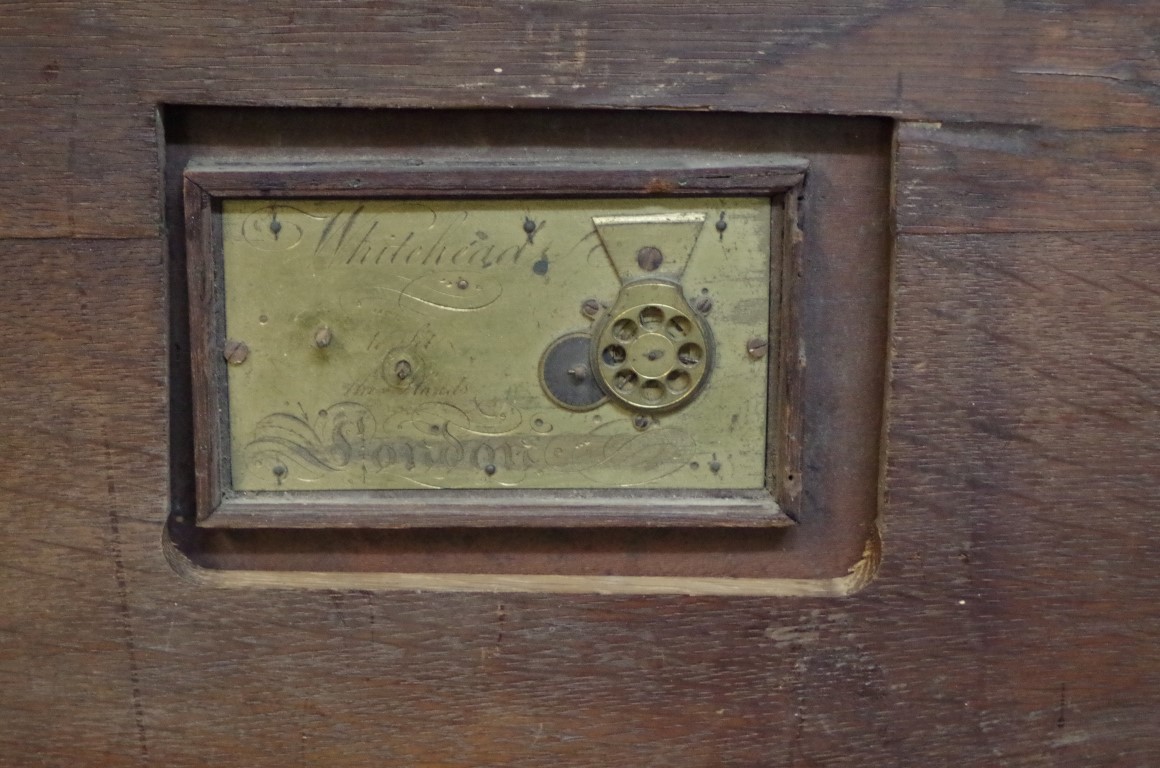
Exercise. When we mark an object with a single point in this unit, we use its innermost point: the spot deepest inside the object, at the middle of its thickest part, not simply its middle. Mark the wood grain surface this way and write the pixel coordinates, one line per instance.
(1014, 620)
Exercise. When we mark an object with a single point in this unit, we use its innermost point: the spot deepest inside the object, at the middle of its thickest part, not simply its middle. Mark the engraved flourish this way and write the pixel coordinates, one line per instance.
(427, 446)
(452, 291)
(273, 228)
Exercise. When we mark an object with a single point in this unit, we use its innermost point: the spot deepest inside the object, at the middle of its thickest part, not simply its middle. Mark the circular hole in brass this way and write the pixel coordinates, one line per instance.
(625, 381)
(624, 329)
(680, 326)
(652, 390)
(613, 355)
(651, 318)
(678, 382)
(690, 354)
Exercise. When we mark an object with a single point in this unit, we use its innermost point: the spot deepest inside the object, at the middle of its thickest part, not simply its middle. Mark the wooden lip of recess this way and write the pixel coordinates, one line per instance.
(656, 175)
(523, 507)
(662, 175)
(857, 577)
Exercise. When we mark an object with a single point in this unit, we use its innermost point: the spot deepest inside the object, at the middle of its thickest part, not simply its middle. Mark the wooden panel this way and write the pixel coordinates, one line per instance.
(976, 178)
(1006, 604)
(83, 408)
(1013, 621)
(1023, 443)
(1077, 64)
(1053, 366)
(72, 153)
(90, 77)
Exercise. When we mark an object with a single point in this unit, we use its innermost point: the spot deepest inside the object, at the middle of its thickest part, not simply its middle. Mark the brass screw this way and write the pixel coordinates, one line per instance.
(323, 337)
(757, 348)
(235, 352)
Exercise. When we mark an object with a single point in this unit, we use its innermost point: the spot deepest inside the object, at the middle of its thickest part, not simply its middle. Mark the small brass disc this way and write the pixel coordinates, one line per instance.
(652, 352)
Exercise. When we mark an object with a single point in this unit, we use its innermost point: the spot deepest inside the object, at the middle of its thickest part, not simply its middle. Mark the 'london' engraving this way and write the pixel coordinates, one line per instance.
(346, 438)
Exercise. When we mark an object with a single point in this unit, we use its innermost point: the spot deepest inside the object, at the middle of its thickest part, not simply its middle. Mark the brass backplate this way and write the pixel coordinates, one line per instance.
(390, 344)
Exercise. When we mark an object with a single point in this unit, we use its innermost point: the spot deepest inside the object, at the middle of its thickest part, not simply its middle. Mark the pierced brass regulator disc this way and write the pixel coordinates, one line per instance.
(651, 351)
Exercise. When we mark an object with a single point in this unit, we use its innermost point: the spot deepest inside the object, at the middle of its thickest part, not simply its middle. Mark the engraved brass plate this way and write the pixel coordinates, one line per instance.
(551, 344)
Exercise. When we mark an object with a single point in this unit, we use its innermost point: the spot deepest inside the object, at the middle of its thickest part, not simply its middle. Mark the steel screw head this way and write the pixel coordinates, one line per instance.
(403, 369)
(590, 307)
(640, 421)
(235, 352)
(323, 337)
(703, 304)
(756, 348)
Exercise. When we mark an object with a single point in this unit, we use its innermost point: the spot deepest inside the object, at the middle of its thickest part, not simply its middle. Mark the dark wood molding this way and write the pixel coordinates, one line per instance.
(774, 176)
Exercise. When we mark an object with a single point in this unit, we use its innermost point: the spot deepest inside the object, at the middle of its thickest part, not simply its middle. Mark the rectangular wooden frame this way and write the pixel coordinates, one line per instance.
(218, 504)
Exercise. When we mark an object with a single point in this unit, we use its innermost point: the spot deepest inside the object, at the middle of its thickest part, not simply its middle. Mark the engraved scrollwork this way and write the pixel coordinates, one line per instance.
(438, 439)
(274, 228)
(452, 291)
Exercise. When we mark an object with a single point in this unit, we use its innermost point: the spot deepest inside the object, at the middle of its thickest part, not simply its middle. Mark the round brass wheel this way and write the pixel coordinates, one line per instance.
(651, 351)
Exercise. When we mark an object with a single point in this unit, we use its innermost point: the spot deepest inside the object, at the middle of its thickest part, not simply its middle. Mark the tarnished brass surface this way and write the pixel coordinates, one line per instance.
(399, 344)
